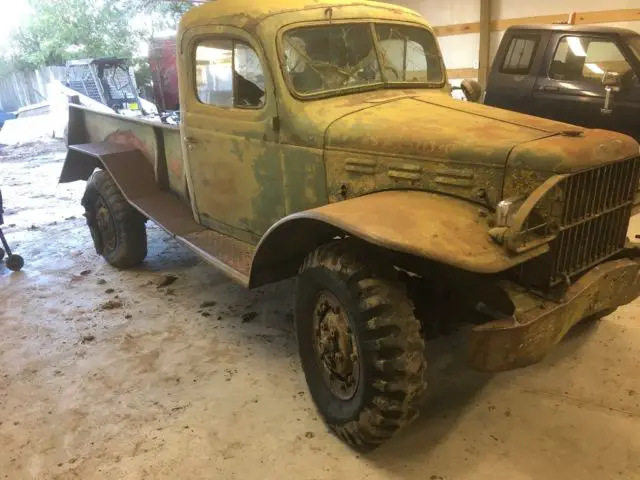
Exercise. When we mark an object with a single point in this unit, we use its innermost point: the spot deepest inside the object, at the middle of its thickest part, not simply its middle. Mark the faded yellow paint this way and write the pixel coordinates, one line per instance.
(427, 225)
(104, 127)
(249, 13)
(176, 171)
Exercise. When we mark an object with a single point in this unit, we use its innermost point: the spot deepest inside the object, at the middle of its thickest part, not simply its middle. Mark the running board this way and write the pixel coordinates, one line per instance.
(134, 175)
(226, 253)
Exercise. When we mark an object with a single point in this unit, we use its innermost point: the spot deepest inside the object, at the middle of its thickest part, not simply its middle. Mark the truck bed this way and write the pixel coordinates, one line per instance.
(145, 160)
(159, 143)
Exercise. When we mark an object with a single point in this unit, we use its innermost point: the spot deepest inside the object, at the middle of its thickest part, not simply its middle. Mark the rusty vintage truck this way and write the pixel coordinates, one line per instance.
(319, 140)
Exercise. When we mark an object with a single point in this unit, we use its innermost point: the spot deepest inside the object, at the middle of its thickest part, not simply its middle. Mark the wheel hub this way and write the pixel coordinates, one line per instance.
(105, 225)
(335, 346)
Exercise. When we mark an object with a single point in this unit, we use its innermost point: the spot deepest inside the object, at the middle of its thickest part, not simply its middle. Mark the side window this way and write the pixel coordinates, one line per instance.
(214, 67)
(249, 77)
(587, 59)
(228, 74)
(520, 55)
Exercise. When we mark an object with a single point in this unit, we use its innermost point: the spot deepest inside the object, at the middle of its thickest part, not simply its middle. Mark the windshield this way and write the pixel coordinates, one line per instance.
(334, 57)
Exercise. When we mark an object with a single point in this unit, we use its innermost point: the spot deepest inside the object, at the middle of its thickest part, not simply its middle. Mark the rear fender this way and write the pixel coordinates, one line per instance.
(435, 227)
(128, 166)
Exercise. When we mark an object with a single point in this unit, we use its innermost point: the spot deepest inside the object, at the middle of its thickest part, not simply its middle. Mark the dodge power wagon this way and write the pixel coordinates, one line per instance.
(319, 140)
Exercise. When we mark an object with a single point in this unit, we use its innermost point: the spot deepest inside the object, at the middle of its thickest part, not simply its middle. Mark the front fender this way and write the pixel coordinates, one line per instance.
(428, 225)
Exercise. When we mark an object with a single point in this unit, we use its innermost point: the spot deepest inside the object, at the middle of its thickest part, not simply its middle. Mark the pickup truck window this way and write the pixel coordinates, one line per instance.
(587, 59)
(520, 54)
(332, 58)
(634, 43)
(228, 74)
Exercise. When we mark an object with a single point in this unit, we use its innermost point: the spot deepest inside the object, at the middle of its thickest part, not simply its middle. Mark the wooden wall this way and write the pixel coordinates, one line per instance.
(457, 22)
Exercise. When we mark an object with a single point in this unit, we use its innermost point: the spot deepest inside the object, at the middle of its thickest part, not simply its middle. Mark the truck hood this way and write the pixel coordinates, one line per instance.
(433, 126)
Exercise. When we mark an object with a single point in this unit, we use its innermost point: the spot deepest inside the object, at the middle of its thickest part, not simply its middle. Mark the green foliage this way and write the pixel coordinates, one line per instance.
(142, 71)
(61, 30)
(163, 14)
(6, 66)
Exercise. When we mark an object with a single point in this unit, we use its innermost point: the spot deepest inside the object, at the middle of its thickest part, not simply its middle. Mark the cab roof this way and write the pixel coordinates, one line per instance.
(576, 29)
(243, 12)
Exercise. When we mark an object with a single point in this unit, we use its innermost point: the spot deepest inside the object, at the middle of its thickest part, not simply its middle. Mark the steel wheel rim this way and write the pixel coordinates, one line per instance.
(335, 347)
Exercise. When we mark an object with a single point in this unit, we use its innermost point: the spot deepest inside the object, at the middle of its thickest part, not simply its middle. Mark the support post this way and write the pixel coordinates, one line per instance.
(485, 40)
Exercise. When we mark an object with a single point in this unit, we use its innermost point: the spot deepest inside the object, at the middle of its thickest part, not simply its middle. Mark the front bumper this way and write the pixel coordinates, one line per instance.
(527, 336)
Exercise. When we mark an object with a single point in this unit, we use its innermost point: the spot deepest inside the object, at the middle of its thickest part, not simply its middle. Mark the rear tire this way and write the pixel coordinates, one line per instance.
(360, 345)
(117, 229)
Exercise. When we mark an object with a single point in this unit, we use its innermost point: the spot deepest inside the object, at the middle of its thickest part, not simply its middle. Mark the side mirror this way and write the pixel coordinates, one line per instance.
(472, 90)
(612, 83)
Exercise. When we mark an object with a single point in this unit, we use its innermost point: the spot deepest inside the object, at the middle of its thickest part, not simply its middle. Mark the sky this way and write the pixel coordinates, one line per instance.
(13, 12)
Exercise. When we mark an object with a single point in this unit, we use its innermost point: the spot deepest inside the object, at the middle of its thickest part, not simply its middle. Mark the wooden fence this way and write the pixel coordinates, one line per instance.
(27, 88)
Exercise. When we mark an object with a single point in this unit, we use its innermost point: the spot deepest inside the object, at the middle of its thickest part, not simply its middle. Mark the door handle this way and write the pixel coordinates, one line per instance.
(550, 88)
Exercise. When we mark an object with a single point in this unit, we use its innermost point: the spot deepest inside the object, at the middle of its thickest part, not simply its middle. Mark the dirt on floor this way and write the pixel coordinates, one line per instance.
(172, 371)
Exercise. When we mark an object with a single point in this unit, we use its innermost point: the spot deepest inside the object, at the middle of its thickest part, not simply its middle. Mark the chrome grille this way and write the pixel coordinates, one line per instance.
(595, 217)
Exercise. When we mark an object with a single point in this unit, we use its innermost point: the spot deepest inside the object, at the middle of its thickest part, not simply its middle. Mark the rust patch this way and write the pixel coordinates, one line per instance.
(129, 139)
(218, 247)
(527, 336)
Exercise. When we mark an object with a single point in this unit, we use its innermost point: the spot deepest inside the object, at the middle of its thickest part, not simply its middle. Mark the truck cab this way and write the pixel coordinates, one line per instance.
(559, 72)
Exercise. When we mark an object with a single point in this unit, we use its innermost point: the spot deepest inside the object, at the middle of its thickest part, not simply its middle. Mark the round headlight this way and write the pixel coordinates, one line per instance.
(506, 209)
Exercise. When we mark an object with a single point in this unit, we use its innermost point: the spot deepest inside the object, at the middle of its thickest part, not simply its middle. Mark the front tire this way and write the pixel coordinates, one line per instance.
(360, 345)
(117, 229)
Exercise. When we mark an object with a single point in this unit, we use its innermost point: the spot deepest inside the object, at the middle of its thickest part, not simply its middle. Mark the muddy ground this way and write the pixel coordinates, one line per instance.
(109, 375)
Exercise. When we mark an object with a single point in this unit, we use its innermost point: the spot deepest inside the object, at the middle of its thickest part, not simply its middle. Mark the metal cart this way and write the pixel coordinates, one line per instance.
(14, 262)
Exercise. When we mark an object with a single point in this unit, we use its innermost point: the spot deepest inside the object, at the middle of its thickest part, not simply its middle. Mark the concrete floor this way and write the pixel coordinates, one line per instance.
(103, 374)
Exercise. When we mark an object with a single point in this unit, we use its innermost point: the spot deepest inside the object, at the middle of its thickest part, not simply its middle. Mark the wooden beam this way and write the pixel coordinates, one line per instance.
(457, 29)
(484, 58)
(601, 16)
(500, 25)
(609, 16)
(458, 73)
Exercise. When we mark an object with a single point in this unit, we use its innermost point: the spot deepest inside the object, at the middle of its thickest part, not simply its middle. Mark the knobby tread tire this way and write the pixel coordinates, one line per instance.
(131, 233)
(389, 341)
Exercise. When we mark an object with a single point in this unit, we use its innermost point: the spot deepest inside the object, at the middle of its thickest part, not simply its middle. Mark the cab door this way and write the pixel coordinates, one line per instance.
(514, 70)
(571, 89)
(626, 102)
(229, 139)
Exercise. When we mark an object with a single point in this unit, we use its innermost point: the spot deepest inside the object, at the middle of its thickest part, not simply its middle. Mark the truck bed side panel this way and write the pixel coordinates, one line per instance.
(160, 144)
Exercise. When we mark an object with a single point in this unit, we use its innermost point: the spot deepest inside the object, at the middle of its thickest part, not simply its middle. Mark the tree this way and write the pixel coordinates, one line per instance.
(61, 30)
(162, 14)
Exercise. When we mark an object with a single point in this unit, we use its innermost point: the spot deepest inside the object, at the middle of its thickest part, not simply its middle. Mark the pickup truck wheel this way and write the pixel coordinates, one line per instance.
(360, 345)
(117, 229)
